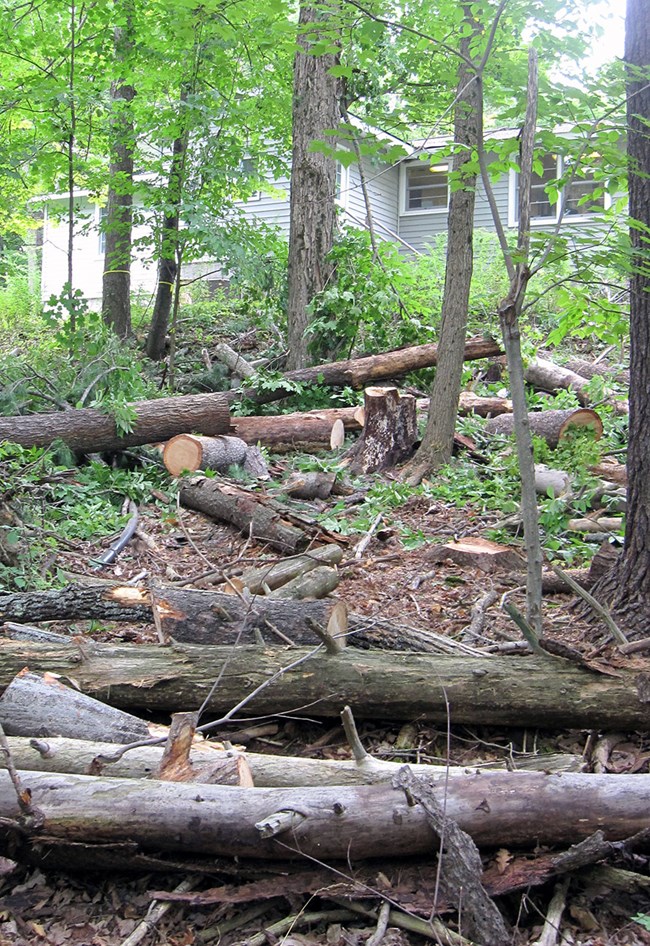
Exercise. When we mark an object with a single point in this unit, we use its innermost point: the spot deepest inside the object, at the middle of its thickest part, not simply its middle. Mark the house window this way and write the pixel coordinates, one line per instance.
(427, 188)
(342, 185)
(249, 168)
(574, 200)
(102, 213)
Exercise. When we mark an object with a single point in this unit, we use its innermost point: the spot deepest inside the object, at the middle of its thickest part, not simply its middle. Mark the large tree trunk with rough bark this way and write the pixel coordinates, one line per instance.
(330, 823)
(316, 111)
(116, 280)
(90, 431)
(627, 587)
(526, 691)
(438, 440)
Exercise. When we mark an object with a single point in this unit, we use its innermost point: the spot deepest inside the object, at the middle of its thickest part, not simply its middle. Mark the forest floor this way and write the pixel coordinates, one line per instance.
(413, 587)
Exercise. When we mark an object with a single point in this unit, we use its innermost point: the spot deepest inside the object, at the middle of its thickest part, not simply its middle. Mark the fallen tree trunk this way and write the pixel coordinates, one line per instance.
(189, 452)
(102, 602)
(211, 617)
(522, 691)
(286, 431)
(80, 757)
(551, 425)
(547, 376)
(254, 515)
(339, 823)
(357, 372)
(90, 431)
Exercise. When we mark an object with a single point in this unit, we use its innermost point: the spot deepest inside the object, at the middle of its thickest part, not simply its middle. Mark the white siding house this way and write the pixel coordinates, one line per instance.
(408, 201)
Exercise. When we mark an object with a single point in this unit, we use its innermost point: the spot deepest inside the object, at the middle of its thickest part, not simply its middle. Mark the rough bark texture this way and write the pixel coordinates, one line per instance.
(316, 110)
(358, 372)
(528, 691)
(627, 587)
(551, 425)
(345, 823)
(389, 431)
(212, 617)
(438, 440)
(168, 253)
(287, 431)
(256, 516)
(90, 431)
(89, 602)
(116, 280)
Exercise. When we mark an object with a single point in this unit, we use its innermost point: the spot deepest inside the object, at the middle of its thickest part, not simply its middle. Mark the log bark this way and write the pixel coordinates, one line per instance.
(89, 431)
(234, 361)
(528, 691)
(547, 376)
(286, 431)
(278, 573)
(339, 823)
(316, 583)
(63, 711)
(192, 453)
(551, 425)
(357, 372)
(389, 431)
(81, 757)
(255, 516)
(470, 403)
(103, 602)
(211, 617)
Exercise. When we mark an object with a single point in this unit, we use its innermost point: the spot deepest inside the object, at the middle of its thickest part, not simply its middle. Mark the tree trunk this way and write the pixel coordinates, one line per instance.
(498, 691)
(551, 425)
(284, 432)
(339, 823)
(438, 440)
(90, 431)
(627, 587)
(169, 240)
(116, 280)
(389, 431)
(358, 372)
(316, 111)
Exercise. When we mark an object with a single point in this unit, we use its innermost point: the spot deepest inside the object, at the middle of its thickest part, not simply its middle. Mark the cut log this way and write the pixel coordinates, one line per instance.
(389, 432)
(254, 515)
(90, 431)
(592, 369)
(316, 583)
(611, 470)
(526, 691)
(63, 711)
(603, 524)
(211, 617)
(315, 485)
(92, 758)
(288, 431)
(102, 602)
(277, 573)
(547, 376)
(470, 403)
(551, 425)
(192, 453)
(345, 823)
(234, 361)
(358, 372)
(551, 482)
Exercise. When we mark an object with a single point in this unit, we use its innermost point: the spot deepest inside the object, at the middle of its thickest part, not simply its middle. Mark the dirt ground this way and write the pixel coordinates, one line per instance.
(417, 589)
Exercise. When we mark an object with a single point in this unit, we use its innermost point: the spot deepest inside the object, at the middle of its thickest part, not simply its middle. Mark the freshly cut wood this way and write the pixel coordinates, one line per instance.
(286, 431)
(211, 617)
(83, 757)
(90, 431)
(551, 425)
(357, 372)
(278, 573)
(63, 711)
(176, 766)
(470, 403)
(389, 432)
(490, 690)
(316, 583)
(192, 453)
(482, 553)
(254, 515)
(331, 823)
(611, 470)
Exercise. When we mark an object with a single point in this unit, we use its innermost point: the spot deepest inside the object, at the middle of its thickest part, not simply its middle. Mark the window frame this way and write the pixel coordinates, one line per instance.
(560, 205)
(404, 188)
(100, 213)
(342, 186)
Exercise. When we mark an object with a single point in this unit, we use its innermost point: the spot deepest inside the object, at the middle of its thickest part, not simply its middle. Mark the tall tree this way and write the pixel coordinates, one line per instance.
(316, 112)
(116, 280)
(627, 587)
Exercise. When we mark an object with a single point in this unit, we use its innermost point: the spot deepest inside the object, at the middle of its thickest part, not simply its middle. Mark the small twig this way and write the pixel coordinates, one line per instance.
(333, 645)
(361, 546)
(600, 610)
(551, 929)
(34, 816)
(291, 922)
(155, 913)
(377, 937)
(525, 628)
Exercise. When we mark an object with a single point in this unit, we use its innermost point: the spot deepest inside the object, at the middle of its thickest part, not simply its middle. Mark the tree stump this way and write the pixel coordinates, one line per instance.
(389, 431)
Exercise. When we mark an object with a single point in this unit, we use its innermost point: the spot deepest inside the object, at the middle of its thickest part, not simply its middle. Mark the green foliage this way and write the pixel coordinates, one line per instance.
(643, 919)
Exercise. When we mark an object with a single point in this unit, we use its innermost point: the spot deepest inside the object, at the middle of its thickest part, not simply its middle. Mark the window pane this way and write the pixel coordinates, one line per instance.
(540, 206)
(581, 190)
(427, 188)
